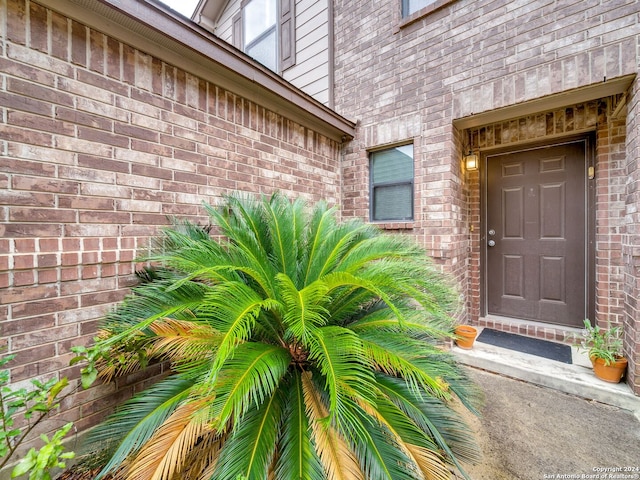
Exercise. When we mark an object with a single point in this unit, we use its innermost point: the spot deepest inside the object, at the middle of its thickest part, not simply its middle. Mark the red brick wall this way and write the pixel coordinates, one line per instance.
(630, 274)
(99, 143)
(411, 82)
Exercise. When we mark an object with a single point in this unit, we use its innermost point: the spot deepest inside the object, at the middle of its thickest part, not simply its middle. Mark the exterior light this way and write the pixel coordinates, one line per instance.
(471, 161)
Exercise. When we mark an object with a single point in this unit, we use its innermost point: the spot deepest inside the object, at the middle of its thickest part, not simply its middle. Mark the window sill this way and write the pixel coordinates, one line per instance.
(397, 225)
(415, 16)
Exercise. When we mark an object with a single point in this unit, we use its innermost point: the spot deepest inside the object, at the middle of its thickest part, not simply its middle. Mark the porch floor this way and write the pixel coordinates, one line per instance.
(575, 379)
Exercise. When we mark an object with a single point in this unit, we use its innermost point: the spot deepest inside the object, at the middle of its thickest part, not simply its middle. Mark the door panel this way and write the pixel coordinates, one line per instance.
(536, 221)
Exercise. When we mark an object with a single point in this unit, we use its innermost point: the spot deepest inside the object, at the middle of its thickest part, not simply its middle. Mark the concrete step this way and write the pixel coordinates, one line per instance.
(575, 379)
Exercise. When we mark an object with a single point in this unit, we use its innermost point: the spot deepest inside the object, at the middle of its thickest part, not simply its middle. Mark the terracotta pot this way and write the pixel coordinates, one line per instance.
(466, 336)
(612, 373)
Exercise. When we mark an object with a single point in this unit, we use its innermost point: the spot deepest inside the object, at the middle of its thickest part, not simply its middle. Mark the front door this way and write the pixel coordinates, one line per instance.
(536, 234)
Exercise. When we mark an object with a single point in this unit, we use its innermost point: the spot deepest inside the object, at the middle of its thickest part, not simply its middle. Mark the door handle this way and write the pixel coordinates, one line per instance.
(491, 243)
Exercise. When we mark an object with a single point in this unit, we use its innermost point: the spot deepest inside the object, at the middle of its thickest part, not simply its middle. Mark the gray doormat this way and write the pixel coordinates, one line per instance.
(532, 346)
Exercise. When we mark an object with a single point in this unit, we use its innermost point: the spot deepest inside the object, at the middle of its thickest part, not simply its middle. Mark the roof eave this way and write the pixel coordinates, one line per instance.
(159, 31)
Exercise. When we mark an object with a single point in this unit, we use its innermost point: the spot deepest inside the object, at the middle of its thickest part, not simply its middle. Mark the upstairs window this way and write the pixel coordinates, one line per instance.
(391, 174)
(260, 32)
(409, 7)
(264, 30)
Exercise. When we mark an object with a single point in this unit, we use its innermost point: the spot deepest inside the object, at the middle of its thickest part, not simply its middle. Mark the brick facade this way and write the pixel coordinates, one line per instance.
(99, 144)
(503, 74)
(101, 140)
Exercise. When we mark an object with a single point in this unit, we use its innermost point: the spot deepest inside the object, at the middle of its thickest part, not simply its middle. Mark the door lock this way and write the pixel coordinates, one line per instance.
(491, 243)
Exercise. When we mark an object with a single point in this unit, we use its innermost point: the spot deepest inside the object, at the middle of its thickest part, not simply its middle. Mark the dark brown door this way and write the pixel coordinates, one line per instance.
(536, 234)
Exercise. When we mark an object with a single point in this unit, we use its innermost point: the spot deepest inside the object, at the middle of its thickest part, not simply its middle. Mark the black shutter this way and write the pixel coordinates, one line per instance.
(287, 34)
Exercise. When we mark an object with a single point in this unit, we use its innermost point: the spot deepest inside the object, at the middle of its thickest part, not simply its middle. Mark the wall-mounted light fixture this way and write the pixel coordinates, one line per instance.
(471, 161)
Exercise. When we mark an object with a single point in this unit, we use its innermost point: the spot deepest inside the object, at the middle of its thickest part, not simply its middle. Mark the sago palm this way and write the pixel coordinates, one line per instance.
(300, 348)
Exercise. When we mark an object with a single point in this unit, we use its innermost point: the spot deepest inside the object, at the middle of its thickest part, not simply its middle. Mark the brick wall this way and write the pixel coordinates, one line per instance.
(99, 143)
(631, 236)
(479, 56)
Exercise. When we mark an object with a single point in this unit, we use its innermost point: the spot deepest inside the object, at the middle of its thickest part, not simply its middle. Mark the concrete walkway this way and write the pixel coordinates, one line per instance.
(541, 421)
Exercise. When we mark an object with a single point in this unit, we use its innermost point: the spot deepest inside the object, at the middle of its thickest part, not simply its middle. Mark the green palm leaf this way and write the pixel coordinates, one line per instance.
(304, 310)
(380, 455)
(339, 355)
(249, 450)
(232, 309)
(298, 459)
(246, 379)
(444, 426)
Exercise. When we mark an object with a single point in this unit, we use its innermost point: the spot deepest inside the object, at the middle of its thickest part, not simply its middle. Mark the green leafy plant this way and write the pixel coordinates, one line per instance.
(33, 405)
(300, 347)
(604, 343)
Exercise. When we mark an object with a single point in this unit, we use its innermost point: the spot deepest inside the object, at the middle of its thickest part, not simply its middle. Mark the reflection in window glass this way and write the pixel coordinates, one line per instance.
(412, 6)
(264, 51)
(259, 17)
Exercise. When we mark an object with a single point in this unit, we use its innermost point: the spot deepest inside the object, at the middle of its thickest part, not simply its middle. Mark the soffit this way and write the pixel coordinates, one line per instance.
(550, 102)
(159, 31)
(211, 9)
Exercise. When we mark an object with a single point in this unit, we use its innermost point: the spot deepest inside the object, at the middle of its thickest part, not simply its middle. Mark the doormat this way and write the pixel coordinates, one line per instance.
(532, 346)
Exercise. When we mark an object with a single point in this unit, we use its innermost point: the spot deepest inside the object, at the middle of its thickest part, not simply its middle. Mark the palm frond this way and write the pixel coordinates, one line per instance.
(339, 356)
(416, 325)
(374, 445)
(282, 220)
(329, 241)
(164, 454)
(134, 423)
(189, 345)
(248, 377)
(417, 444)
(232, 309)
(304, 310)
(443, 425)
(249, 450)
(338, 460)
(340, 280)
(241, 220)
(401, 366)
(202, 458)
(298, 458)
(148, 303)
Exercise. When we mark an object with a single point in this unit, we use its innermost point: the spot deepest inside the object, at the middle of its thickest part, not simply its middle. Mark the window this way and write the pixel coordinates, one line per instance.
(264, 30)
(259, 27)
(391, 173)
(411, 6)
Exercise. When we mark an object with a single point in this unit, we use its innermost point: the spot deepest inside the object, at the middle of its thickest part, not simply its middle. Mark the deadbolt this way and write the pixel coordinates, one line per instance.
(492, 232)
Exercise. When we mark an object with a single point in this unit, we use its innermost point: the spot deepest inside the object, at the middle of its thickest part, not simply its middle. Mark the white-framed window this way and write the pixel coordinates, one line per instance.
(409, 7)
(391, 184)
(265, 30)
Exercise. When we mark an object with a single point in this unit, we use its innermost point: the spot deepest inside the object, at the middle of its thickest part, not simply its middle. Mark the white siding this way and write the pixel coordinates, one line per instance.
(312, 70)
(224, 29)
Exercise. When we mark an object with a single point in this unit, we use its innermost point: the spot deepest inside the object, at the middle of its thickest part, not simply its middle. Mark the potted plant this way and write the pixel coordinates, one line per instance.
(604, 346)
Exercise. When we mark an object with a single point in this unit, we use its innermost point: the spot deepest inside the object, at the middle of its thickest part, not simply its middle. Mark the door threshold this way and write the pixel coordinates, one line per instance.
(530, 328)
(574, 379)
